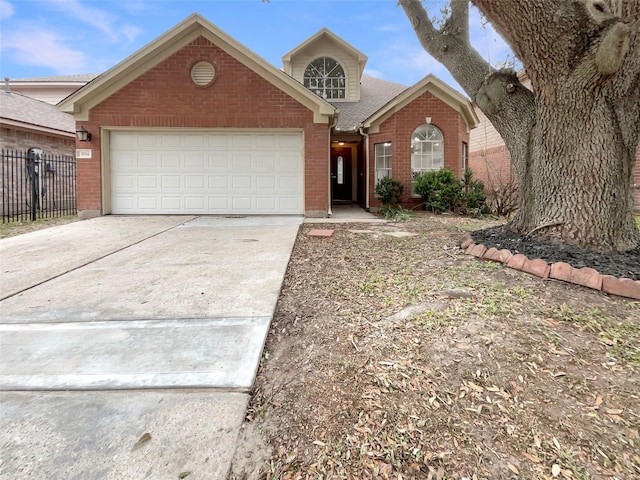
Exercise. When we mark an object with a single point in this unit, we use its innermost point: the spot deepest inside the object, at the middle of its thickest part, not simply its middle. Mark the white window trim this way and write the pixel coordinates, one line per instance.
(328, 83)
(415, 172)
(379, 170)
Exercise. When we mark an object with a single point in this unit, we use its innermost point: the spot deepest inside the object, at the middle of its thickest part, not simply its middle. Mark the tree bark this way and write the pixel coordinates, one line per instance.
(573, 139)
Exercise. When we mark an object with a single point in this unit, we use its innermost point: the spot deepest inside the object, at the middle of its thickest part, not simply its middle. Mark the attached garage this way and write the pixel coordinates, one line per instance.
(206, 172)
(195, 123)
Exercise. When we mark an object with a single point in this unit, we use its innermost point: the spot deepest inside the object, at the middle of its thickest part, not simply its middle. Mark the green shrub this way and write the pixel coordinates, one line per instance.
(441, 191)
(474, 196)
(389, 191)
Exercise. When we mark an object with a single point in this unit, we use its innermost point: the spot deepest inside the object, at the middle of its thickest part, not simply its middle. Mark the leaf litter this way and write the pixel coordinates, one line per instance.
(509, 378)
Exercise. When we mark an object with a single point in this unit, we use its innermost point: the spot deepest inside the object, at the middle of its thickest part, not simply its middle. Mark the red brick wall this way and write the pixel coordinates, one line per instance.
(493, 167)
(165, 96)
(398, 129)
(18, 139)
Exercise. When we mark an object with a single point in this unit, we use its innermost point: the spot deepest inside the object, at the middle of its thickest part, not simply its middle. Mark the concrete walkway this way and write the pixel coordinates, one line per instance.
(128, 345)
(348, 213)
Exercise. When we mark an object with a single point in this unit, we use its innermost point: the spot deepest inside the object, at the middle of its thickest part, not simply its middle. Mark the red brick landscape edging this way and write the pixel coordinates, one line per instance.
(586, 277)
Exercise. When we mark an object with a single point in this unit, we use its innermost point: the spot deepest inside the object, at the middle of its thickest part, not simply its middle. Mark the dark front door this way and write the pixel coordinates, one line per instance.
(341, 181)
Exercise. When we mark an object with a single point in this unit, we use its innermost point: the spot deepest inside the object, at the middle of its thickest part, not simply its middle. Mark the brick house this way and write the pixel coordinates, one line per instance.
(196, 123)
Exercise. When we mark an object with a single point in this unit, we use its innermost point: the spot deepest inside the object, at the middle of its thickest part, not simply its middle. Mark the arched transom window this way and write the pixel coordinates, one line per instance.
(427, 151)
(325, 77)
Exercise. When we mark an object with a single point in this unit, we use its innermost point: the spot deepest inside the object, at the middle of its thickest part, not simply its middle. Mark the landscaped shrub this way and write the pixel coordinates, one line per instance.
(474, 198)
(389, 191)
(441, 191)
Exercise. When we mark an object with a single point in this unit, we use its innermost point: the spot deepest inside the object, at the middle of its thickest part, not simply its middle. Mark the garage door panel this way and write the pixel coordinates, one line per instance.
(266, 162)
(266, 182)
(244, 140)
(196, 204)
(210, 172)
(193, 182)
(219, 161)
(194, 161)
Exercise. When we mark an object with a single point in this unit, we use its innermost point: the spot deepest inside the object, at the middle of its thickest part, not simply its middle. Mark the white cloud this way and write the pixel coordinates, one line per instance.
(94, 17)
(6, 10)
(102, 20)
(130, 32)
(388, 28)
(42, 48)
(373, 73)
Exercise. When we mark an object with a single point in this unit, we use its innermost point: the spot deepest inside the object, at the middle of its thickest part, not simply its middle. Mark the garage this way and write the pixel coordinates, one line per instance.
(206, 172)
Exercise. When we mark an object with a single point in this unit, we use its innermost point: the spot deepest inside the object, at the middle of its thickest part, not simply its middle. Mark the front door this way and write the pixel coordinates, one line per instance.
(341, 174)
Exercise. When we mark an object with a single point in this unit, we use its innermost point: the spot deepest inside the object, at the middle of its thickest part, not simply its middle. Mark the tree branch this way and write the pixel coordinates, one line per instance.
(450, 44)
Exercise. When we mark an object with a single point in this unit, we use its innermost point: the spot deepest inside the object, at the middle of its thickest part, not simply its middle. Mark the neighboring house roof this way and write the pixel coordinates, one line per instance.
(374, 93)
(439, 89)
(193, 27)
(18, 110)
(325, 32)
(81, 78)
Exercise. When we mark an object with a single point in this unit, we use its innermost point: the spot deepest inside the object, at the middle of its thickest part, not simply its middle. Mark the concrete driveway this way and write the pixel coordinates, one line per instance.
(119, 329)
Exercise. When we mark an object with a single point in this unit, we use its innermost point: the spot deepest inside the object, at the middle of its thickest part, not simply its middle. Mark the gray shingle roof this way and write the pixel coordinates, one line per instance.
(80, 78)
(374, 93)
(26, 110)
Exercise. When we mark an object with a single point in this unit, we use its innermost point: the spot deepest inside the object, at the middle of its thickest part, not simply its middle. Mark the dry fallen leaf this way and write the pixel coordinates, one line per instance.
(143, 439)
(513, 468)
(614, 411)
(555, 470)
(533, 458)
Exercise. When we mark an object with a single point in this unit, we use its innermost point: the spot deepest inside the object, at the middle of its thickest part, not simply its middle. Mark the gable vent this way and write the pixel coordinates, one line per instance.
(203, 73)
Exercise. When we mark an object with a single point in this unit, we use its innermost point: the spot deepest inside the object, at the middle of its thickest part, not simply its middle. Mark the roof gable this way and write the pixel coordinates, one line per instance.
(321, 36)
(80, 102)
(435, 86)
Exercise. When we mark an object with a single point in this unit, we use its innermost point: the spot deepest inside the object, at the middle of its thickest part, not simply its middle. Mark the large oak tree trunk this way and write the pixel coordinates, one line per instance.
(580, 187)
(573, 138)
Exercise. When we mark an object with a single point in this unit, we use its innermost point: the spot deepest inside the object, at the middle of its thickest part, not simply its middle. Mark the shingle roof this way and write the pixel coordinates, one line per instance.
(80, 78)
(374, 93)
(31, 112)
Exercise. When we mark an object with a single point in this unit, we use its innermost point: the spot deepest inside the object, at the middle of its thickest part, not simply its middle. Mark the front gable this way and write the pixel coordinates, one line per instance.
(191, 30)
(327, 44)
(167, 96)
(437, 89)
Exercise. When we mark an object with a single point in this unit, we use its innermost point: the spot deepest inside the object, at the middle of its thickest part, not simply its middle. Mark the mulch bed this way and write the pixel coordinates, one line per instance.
(624, 264)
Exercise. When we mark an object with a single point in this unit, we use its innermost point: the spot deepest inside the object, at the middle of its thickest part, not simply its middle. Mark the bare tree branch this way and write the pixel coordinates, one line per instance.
(450, 45)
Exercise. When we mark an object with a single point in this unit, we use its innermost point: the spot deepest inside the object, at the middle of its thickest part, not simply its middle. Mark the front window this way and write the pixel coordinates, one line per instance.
(465, 156)
(325, 77)
(427, 152)
(383, 160)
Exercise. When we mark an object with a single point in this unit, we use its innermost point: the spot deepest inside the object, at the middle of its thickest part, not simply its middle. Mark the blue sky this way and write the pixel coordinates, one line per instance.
(59, 37)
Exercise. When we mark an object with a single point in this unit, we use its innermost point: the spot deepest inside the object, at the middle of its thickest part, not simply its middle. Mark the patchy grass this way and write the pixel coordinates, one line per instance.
(498, 375)
(12, 229)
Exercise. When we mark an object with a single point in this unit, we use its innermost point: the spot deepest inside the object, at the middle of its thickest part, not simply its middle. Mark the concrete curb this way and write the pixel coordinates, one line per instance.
(585, 277)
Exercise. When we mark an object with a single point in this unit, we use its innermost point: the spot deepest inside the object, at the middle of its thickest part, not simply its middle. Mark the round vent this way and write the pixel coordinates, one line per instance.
(203, 73)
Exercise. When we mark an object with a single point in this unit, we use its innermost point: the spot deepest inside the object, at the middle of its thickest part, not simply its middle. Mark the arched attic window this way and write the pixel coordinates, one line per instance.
(427, 151)
(325, 77)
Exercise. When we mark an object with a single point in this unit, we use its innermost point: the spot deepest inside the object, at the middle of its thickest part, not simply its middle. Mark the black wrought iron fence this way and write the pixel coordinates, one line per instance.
(36, 185)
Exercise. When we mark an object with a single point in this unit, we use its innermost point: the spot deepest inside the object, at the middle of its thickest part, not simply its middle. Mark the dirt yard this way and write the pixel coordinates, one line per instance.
(397, 357)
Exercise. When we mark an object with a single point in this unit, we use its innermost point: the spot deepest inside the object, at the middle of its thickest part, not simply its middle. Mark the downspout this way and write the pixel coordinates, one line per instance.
(366, 160)
(334, 122)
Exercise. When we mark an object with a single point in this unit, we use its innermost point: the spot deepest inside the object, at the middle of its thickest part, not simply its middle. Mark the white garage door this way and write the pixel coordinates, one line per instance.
(239, 172)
